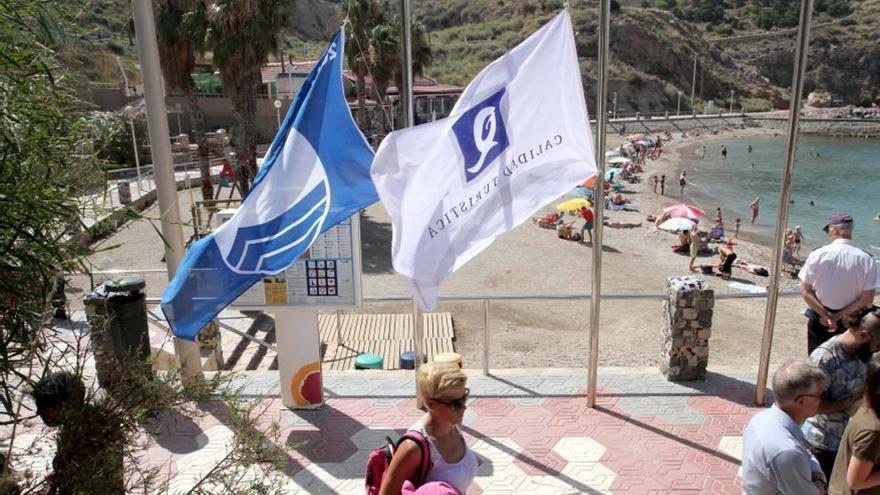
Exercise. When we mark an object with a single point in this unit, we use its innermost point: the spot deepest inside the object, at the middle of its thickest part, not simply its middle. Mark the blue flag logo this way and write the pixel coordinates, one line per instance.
(481, 135)
(315, 175)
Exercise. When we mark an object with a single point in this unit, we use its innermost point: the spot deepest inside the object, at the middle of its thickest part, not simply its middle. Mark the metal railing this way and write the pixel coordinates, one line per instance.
(485, 299)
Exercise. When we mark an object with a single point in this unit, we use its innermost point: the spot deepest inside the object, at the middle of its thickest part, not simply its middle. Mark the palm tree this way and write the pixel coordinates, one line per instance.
(177, 52)
(242, 34)
(422, 57)
(362, 17)
(384, 55)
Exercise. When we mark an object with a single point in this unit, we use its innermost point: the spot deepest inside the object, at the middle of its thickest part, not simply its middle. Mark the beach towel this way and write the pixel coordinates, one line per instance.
(754, 289)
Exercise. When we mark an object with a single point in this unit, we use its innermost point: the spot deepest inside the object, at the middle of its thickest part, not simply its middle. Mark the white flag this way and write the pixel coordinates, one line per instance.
(518, 138)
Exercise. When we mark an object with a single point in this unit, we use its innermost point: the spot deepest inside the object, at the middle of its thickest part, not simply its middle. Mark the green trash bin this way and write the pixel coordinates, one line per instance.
(368, 361)
(117, 315)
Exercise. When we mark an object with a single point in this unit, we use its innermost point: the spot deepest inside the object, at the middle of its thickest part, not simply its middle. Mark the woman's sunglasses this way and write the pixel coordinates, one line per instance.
(457, 404)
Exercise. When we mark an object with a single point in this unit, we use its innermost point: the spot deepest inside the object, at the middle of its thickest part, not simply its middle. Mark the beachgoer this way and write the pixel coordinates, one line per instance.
(754, 206)
(694, 248)
(844, 359)
(703, 153)
(655, 181)
(725, 263)
(723, 152)
(855, 468)
(836, 280)
(442, 388)
(684, 238)
(749, 149)
(663, 185)
(753, 165)
(736, 228)
(814, 204)
(682, 181)
(589, 218)
(798, 239)
(774, 458)
(718, 218)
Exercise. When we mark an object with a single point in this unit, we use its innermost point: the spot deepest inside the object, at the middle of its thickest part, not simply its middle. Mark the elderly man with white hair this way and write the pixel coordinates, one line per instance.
(836, 280)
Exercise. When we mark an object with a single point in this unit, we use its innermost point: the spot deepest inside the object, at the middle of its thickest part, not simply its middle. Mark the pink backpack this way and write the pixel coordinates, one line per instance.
(380, 458)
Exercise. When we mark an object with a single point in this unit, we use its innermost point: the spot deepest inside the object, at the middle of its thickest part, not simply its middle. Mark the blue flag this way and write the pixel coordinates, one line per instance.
(315, 175)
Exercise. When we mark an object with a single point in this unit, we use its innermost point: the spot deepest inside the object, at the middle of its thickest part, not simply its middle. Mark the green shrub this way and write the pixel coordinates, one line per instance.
(756, 104)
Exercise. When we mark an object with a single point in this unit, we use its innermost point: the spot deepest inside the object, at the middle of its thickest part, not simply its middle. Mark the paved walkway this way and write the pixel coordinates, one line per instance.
(531, 431)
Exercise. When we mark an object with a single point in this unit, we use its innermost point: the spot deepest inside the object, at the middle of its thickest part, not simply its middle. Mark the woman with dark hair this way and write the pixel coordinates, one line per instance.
(857, 465)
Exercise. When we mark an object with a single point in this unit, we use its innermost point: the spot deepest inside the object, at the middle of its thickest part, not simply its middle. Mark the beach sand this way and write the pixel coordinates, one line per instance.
(532, 260)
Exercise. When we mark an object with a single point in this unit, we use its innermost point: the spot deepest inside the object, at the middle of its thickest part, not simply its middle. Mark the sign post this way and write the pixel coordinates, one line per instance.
(328, 277)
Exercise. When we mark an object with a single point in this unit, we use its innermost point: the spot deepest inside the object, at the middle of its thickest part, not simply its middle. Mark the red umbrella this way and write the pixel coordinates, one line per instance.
(684, 211)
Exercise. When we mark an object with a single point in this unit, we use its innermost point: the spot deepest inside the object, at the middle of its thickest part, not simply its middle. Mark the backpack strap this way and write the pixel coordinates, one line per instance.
(425, 448)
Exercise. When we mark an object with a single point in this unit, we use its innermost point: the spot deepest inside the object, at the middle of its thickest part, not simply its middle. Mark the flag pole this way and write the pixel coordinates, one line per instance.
(599, 198)
(794, 115)
(166, 188)
(406, 99)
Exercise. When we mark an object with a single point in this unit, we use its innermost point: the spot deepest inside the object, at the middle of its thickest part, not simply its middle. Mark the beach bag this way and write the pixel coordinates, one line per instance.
(380, 458)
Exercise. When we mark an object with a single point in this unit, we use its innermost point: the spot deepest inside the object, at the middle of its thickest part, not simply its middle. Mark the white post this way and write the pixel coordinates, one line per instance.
(137, 159)
(277, 105)
(678, 107)
(299, 357)
(731, 101)
(614, 111)
(163, 170)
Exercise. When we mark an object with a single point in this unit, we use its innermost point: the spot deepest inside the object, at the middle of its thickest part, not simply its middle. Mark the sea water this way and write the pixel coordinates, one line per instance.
(836, 174)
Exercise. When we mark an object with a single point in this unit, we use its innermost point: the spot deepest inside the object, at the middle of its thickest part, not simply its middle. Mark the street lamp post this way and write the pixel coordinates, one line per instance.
(614, 112)
(277, 104)
(178, 108)
(678, 106)
(129, 112)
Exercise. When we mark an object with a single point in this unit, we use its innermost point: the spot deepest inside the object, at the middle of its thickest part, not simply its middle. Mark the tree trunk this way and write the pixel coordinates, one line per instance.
(362, 101)
(244, 108)
(238, 142)
(198, 123)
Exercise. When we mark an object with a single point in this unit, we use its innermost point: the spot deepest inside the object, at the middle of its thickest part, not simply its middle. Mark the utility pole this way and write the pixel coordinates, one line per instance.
(694, 82)
(614, 112)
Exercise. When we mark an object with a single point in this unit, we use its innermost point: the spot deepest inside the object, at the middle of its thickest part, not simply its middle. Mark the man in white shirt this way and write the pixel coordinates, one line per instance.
(836, 280)
(775, 459)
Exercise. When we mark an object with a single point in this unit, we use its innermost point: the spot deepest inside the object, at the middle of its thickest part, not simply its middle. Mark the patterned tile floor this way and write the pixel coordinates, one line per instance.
(531, 430)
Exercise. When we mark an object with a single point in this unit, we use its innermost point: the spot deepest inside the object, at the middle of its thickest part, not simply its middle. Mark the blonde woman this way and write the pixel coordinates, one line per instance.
(442, 389)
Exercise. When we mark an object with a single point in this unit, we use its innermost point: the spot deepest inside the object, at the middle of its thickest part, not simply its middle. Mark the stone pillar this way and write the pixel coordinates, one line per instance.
(687, 326)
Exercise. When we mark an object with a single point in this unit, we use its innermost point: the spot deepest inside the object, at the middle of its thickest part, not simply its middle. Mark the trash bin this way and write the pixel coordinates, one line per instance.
(368, 361)
(124, 190)
(117, 315)
(408, 360)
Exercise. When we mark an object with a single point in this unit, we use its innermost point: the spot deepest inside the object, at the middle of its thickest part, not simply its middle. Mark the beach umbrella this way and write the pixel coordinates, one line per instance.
(619, 159)
(684, 211)
(573, 204)
(677, 223)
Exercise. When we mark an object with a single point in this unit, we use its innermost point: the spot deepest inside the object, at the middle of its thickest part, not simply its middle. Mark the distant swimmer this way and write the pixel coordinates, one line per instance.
(703, 153)
(814, 204)
(723, 152)
(877, 218)
(753, 165)
(749, 149)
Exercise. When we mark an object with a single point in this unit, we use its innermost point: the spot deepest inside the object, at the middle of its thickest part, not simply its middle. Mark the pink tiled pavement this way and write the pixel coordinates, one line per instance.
(531, 431)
